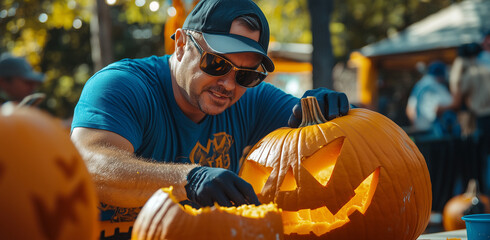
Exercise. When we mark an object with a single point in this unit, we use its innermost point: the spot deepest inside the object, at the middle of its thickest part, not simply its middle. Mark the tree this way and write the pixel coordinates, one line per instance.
(322, 56)
(101, 36)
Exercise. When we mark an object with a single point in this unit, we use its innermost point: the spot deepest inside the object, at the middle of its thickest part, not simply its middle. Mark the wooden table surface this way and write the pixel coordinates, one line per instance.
(458, 234)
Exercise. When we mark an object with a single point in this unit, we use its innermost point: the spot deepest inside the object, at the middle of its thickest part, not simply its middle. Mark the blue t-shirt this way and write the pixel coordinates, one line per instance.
(134, 98)
(426, 96)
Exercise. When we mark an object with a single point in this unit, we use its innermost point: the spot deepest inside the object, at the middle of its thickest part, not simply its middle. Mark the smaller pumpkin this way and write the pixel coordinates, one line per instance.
(162, 217)
(470, 202)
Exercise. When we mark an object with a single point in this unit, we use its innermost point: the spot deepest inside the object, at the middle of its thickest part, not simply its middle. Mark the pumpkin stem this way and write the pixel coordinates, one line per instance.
(472, 188)
(473, 192)
(312, 114)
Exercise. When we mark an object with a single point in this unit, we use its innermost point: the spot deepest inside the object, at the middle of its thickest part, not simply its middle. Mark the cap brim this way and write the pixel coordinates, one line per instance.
(231, 43)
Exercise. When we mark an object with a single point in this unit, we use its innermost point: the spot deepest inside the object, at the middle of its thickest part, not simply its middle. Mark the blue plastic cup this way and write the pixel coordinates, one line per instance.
(477, 226)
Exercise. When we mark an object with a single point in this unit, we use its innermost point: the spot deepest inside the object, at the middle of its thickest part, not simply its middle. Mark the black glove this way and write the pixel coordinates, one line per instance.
(206, 185)
(332, 104)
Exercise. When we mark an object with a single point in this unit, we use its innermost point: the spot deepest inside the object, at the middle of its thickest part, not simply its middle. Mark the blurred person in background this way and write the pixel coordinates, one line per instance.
(428, 94)
(470, 87)
(17, 79)
(484, 56)
(471, 94)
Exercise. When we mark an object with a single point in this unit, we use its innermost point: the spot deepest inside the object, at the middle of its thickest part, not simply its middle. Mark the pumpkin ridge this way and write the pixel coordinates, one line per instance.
(280, 135)
(395, 189)
(376, 143)
(276, 175)
(294, 134)
(404, 151)
(163, 208)
(417, 202)
(149, 220)
(354, 132)
(383, 150)
(327, 137)
(413, 155)
(384, 125)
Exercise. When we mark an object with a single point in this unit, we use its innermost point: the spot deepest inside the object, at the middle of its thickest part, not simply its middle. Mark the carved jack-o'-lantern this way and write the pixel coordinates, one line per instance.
(46, 191)
(356, 177)
(163, 217)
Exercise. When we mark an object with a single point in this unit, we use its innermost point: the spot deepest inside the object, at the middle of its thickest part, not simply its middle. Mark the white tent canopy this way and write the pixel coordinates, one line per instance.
(459, 23)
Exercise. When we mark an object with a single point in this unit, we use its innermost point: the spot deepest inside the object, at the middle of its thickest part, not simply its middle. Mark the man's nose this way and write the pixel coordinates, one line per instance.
(228, 80)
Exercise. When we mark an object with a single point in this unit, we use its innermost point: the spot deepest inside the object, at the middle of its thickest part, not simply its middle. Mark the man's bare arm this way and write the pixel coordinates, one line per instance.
(121, 178)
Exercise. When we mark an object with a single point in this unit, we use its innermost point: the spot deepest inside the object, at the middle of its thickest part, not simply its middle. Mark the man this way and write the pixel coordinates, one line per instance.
(183, 120)
(427, 95)
(17, 79)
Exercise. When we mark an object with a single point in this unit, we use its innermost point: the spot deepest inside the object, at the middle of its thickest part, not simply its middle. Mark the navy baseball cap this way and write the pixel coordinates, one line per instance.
(11, 66)
(437, 68)
(213, 19)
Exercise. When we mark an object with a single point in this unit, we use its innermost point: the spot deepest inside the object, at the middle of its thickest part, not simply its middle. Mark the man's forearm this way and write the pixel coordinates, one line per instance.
(124, 180)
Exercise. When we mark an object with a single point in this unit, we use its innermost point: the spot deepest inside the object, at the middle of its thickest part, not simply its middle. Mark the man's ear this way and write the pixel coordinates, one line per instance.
(180, 42)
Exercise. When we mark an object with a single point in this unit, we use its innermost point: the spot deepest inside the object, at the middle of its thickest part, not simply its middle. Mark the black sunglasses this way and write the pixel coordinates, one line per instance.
(216, 65)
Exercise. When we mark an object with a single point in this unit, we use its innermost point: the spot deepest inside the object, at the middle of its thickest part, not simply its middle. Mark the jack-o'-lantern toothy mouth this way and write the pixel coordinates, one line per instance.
(321, 220)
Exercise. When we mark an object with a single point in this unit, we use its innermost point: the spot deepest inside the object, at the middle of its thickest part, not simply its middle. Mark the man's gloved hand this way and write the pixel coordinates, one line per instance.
(206, 185)
(332, 104)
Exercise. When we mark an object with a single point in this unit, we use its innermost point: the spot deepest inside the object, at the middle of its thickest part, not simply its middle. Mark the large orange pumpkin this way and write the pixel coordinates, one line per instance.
(356, 177)
(470, 202)
(162, 217)
(46, 191)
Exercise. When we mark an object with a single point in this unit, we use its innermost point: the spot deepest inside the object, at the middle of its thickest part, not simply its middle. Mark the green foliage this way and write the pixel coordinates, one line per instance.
(289, 21)
(54, 36)
(67, 64)
(44, 32)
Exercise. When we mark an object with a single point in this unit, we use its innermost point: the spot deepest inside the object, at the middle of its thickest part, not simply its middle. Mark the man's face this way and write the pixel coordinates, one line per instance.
(213, 94)
(17, 88)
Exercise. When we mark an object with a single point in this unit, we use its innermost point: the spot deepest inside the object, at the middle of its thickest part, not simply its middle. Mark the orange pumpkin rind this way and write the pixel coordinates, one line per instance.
(47, 192)
(162, 217)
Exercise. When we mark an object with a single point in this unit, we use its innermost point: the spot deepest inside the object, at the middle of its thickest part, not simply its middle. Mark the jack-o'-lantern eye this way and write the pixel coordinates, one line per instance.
(256, 175)
(321, 164)
(289, 183)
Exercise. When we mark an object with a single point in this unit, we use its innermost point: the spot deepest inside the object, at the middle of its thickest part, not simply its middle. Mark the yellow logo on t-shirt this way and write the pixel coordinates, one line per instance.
(215, 154)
